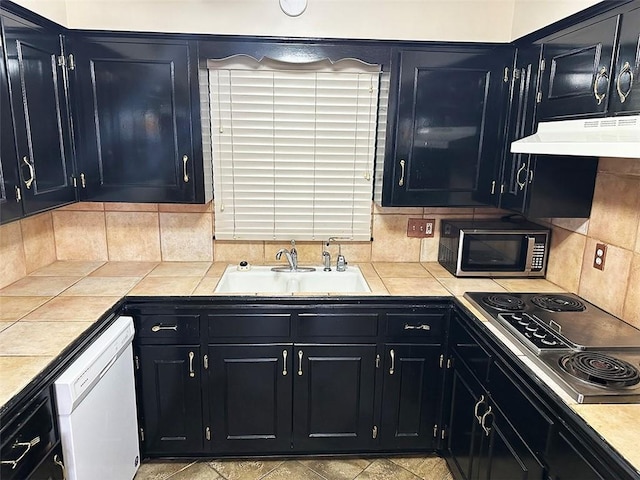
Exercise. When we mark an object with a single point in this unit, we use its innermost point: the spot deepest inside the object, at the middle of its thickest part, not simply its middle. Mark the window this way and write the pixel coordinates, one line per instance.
(293, 148)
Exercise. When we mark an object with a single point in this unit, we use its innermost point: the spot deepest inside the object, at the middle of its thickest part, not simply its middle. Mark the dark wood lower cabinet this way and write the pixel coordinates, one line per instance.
(482, 443)
(250, 390)
(169, 391)
(411, 396)
(333, 397)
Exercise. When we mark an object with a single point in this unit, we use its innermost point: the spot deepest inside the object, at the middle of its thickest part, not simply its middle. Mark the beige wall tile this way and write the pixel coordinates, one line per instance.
(638, 239)
(186, 236)
(379, 210)
(631, 311)
(565, 259)
(606, 288)
(354, 252)
(229, 251)
(390, 241)
(84, 206)
(537, 285)
(309, 253)
(13, 265)
(615, 212)
(39, 242)
(130, 207)
(133, 236)
(620, 166)
(186, 207)
(578, 225)
(79, 235)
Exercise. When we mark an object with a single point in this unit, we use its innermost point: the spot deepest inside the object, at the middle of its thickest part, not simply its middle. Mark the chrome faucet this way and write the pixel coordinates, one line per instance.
(341, 262)
(290, 255)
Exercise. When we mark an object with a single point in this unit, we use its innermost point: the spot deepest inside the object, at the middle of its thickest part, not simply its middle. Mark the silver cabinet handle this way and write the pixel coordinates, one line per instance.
(487, 430)
(185, 175)
(158, 327)
(18, 195)
(602, 73)
(191, 372)
(83, 180)
(402, 164)
(284, 363)
(27, 447)
(422, 326)
(299, 362)
(57, 461)
(626, 68)
(493, 187)
(520, 170)
(477, 407)
(32, 173)
(393, 362)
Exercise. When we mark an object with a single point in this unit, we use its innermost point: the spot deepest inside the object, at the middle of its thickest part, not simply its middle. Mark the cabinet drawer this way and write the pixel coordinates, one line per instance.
(531, 422)
(413, 325)
(27, 439)
(249, 325)
(176, 328)
(338, 325)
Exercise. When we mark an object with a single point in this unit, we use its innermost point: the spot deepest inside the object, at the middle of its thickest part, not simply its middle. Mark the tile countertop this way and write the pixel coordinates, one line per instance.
(36, 326)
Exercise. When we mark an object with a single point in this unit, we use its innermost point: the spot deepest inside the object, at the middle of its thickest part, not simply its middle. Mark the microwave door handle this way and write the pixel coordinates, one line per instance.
(531, 241)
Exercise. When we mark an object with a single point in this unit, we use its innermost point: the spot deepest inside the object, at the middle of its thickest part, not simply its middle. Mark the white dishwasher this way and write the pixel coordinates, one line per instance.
(96, 405)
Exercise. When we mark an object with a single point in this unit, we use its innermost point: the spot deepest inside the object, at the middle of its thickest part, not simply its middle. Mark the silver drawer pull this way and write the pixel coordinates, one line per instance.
(191, 372)
(27, 446)
(483, 422)
(422, 326)
(284, 363)
(158, 327)
(393, 362)
(57, 461)
(300, 354)
(476, 409)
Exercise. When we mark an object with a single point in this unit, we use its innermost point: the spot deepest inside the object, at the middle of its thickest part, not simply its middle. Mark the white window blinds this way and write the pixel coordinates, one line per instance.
(293, 148)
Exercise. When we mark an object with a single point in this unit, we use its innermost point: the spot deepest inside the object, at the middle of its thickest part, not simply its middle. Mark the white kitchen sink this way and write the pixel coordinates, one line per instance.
(261, 279)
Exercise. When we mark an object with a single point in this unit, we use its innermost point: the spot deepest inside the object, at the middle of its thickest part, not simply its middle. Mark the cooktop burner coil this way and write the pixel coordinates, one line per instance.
(504, 302)
(558, 303)
(600, 369)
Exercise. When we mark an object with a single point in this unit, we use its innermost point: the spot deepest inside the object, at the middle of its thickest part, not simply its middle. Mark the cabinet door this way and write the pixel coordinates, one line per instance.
(503, 454)
(625, 96)
(135, 124)
(333, 397)
(412, 387)
(169, 391)
(250, 387)
(448, 128)
(468, 404)
(567, 459)
(39, 105)
(51, 468)
(10, 203)
(517, 167)
(578, 71)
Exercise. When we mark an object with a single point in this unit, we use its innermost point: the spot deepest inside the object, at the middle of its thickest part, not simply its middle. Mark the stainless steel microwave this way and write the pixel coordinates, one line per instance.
(493, 248)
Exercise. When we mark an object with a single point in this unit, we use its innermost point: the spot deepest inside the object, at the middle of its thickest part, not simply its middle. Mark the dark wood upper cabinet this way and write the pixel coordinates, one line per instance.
(626, 82)
(592, 69)
(37, 81)
(137, 125)
(10, 197)
(448, 127)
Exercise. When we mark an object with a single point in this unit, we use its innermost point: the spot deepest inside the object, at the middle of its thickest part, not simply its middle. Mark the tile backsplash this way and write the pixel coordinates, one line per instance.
(95, 231)
(615, 221)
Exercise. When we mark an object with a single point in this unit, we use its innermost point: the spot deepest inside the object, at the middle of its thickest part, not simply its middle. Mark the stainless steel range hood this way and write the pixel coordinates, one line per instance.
(603, 137)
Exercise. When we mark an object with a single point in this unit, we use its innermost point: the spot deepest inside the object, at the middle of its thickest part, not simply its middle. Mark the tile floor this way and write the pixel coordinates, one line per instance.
(392, 468)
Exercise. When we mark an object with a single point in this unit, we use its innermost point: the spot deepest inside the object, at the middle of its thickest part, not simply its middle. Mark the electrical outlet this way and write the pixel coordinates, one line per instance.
(420, 227)
(600, 256)
(430, 226)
